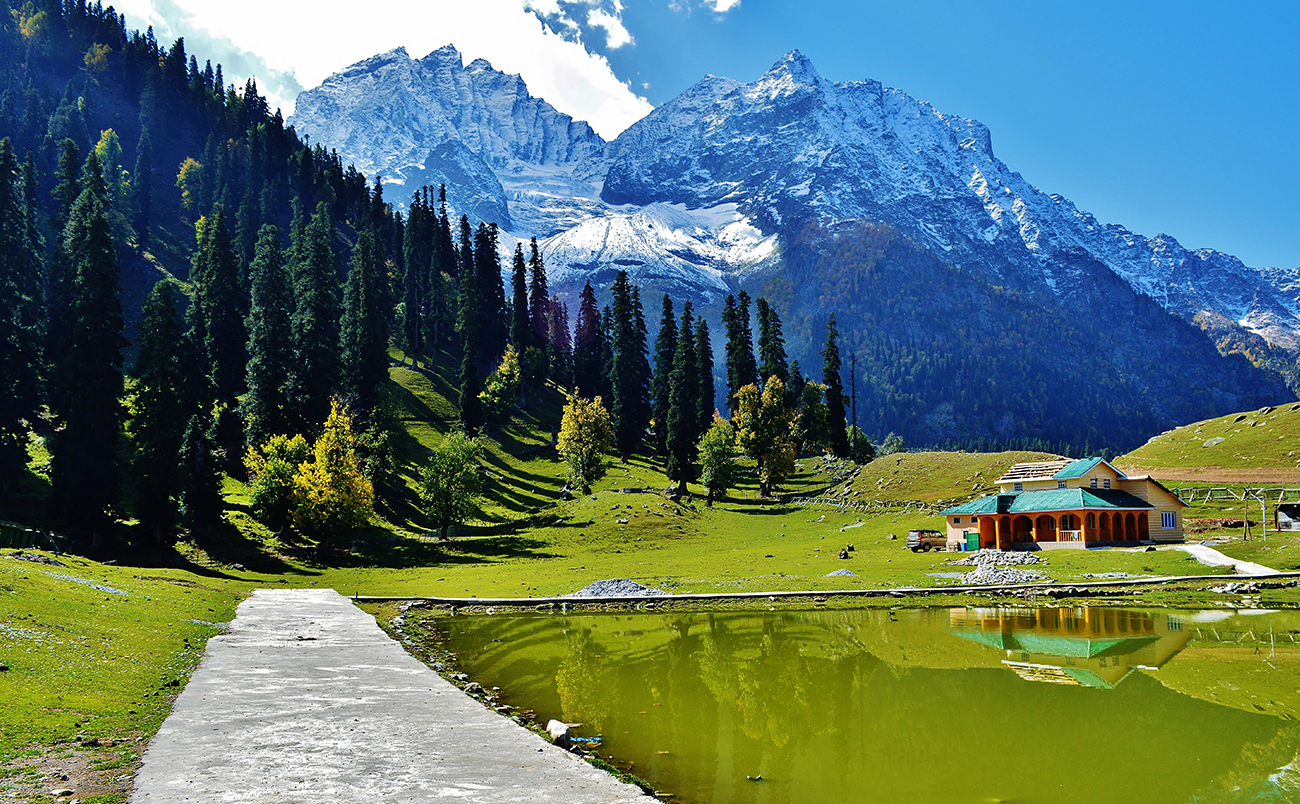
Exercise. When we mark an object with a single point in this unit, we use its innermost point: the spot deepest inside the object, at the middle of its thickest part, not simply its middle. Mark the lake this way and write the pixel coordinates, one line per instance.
(914, 705)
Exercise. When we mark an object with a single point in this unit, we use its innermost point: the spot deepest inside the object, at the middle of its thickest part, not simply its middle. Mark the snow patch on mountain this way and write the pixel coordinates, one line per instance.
(662, 246)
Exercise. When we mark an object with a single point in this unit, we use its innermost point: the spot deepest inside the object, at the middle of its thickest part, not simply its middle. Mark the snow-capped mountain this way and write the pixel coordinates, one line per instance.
(438, 119)
(793, 144)
(701, 191)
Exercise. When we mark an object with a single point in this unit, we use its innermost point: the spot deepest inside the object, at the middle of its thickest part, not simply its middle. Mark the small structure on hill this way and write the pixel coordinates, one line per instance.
(1068, 503)
(1288, 516)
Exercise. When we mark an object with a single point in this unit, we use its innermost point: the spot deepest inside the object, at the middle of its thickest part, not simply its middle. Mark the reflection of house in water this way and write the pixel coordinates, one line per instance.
(1091, 647)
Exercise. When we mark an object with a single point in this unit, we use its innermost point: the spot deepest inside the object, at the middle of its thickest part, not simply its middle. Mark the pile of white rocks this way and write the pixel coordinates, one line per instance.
(617, 587)
(995, 567)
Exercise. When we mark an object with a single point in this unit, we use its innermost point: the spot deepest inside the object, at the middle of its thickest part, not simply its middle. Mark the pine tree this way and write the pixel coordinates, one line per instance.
(142, 187)
(469, 316)
(417, 257)
(364, 331)
(661, 383)
(605, 388)
(85, 476)
(588, 370)
(494, 329)
(538, 299)
(627, 369)
(270, 347)
(219, 310)
(746, 369)
(771, 344)
(471, 407)
(560, 345)
(835, 423)
(683, 406)
(19, 317)
(704, 368)
(200, 475)
(161, 408)
(521, 332)
(731, 332)
(67, 178)
(314, 373)
(641, 338)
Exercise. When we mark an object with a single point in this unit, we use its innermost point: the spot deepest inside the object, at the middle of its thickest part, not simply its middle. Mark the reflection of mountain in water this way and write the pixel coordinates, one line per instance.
(1089, 647)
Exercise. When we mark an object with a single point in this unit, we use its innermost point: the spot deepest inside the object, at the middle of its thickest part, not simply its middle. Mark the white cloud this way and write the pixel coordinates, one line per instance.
(305, 45)
(722, 6)
(616, 35)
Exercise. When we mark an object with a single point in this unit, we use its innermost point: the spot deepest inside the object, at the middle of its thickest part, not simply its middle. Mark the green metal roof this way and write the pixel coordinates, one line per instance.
(1050, 500)
(1077, 468)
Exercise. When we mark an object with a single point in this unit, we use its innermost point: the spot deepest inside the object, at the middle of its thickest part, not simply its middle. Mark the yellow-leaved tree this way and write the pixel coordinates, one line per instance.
(763, 424)
(585, 436)
(330, 492)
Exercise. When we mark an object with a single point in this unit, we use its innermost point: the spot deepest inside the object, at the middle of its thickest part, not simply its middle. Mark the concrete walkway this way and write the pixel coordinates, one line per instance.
(1213, 558)
(307, 700)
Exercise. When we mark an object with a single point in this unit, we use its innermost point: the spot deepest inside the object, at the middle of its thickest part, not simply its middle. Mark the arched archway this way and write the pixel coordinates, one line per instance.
(1045, 528)
(1104, 530)
(1004, 533)
(1130, 528)
(1144, 528)
(1022, 529)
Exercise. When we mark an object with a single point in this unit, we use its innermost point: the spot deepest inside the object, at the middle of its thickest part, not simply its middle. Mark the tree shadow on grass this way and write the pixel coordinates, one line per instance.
(375, 547)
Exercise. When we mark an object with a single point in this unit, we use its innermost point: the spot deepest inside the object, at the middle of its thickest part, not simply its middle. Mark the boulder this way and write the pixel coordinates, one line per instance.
(559, 733)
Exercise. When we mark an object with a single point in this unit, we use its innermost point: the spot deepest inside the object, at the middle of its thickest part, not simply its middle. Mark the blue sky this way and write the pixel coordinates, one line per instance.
(1167, 117)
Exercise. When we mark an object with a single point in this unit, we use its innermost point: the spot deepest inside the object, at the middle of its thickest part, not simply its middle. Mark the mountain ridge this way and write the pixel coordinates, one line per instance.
(707, 193)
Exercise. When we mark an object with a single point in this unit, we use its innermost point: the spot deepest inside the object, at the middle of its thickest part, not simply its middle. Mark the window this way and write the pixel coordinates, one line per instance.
(1092, 483)
(1168, 520)
(1017, 486)
(1060, 484)
(956, 520)
(1092, 518)
(1106, 482)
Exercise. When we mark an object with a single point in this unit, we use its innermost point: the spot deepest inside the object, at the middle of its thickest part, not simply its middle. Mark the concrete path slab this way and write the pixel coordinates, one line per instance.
(307, 700)
(1213, 558)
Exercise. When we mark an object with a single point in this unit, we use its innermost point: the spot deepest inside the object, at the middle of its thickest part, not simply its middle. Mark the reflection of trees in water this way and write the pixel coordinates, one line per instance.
(583, 682)
(769, 682)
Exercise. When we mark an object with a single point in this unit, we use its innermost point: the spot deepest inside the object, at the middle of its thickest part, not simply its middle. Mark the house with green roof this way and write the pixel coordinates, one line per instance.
(1068, 503)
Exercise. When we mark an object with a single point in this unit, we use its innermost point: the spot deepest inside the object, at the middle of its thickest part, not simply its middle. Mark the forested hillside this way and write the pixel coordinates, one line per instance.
(192, 293)
(947, 358)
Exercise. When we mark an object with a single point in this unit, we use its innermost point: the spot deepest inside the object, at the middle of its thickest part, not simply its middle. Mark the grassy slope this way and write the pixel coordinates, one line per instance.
(527, 542)
(1256, 448)
(92, 665)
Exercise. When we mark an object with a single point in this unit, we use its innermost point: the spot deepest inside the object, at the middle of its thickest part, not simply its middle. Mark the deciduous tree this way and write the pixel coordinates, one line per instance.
(585, 436)
(451, 483)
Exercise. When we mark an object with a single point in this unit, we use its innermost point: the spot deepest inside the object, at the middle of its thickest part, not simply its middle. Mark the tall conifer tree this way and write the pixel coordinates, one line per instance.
(538, 296)
(219, 310)
(521, 332)
(746, 368)
(161, 408)
(315, 370)
(588, 346)
(19, 317)
(270, 343)
(834, 390)
(364, 335)
(704, 369)
(661, 382)
(628, 372)
(85, 477)
(683, 406)
(771, 345)
(494, 330)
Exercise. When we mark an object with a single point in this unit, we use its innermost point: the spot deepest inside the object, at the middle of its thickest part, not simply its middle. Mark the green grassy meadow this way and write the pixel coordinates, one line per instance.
(92, 671)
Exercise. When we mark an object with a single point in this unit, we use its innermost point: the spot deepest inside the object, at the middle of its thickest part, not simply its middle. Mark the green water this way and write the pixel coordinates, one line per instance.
(932, 705)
